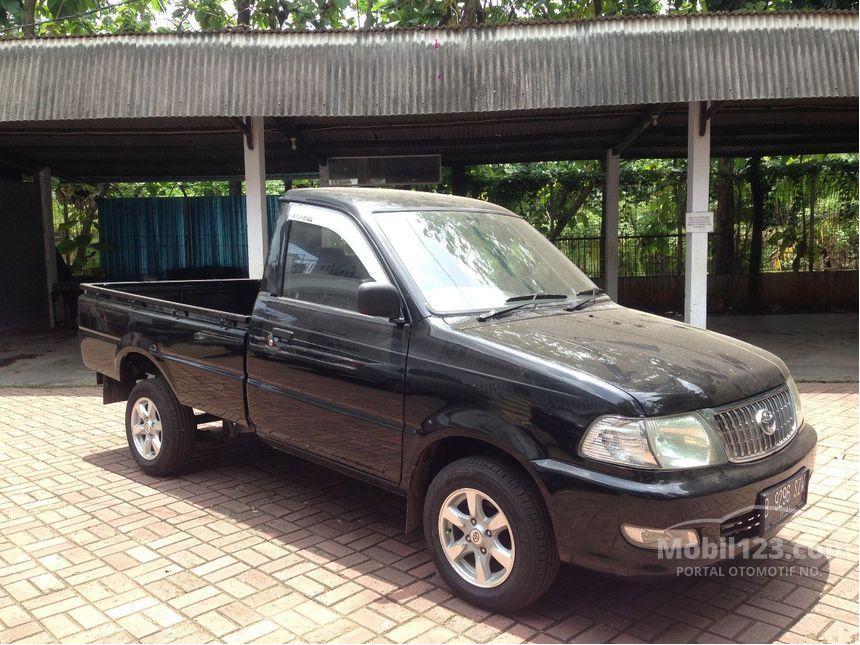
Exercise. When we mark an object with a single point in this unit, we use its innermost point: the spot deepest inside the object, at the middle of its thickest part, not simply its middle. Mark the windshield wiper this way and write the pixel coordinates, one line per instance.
(529, 299)
(592, 296)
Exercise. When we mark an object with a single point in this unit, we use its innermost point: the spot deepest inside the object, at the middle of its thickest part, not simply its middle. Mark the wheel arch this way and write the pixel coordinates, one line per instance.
(133, 364)
(447, 448)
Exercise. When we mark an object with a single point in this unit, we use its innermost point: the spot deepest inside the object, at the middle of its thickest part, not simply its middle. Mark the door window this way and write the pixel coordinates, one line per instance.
(327, 258)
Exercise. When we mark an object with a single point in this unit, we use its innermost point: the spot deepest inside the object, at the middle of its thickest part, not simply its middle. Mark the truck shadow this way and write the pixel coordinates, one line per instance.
(321, 525)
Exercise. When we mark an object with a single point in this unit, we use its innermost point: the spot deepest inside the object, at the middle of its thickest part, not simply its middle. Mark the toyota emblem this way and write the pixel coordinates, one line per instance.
(766, 421)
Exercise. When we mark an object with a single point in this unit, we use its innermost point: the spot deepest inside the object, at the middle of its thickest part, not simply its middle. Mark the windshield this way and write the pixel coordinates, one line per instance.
(472, 261)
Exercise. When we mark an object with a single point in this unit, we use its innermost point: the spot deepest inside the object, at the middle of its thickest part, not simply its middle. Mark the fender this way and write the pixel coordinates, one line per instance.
(486, 425)
(467, 427)
(117, 386)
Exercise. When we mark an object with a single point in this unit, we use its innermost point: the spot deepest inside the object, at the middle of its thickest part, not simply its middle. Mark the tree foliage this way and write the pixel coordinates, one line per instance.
(47, 17)
(810, 208)
(62, 17)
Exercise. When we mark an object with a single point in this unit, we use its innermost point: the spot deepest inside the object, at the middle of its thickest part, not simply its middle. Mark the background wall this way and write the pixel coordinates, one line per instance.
(24, 300)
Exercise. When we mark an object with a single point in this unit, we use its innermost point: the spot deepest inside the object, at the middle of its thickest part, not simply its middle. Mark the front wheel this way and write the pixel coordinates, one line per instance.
(489, 533)
(159, 429)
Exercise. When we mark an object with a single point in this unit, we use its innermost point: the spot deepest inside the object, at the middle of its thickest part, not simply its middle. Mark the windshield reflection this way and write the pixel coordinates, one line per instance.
(470, 261)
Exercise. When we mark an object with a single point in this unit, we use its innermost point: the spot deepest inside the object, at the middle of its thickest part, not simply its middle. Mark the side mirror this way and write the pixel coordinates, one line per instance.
(378, 299)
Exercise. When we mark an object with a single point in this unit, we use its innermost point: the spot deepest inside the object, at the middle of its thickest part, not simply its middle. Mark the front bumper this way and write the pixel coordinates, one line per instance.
(589, 507)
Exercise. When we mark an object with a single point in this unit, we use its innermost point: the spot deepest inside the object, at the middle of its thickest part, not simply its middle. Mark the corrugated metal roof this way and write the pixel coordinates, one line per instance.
(435, 71)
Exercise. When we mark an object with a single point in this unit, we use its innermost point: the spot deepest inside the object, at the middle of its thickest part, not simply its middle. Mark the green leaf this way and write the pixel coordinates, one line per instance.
(63, 8)
(65, 247)
(13, 7)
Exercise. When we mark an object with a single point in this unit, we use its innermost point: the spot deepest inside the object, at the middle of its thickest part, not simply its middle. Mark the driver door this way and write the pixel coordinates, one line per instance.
(321, 376)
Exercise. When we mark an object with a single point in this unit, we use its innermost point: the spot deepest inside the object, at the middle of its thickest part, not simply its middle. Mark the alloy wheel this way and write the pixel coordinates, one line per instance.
(146, 428)
(476, 538)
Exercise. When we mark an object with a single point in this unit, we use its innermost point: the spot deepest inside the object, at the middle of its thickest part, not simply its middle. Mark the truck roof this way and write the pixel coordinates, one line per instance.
(361, 201)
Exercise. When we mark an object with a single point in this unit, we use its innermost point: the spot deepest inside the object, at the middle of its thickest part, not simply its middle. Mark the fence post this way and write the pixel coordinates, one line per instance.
(813, 187)
(757, 193)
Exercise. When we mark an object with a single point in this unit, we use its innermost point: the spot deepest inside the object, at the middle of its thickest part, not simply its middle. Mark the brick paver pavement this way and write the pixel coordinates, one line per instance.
(253, 545)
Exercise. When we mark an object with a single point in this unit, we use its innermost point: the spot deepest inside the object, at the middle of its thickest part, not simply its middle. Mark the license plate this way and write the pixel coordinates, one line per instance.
(780, 501)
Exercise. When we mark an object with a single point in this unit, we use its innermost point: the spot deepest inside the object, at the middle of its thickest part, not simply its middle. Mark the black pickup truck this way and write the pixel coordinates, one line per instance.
(442, 348)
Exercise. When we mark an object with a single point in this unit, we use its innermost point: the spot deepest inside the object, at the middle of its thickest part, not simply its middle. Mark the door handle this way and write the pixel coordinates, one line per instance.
(284, 334)
(278, 336)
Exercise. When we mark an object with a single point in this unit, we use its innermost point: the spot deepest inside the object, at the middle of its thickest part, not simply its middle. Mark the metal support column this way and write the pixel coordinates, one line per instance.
(255, 204)
(611, 223)
(699, 221)
(47, 199)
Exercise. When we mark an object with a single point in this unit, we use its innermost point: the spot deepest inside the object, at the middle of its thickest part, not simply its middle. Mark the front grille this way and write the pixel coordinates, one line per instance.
(743, 436)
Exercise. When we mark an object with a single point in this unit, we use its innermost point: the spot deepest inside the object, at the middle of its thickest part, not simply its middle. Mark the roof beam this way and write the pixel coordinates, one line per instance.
(20, 163)
(24, 164)
(708, 109)
(646, 119)
(298, 142)
(244, 126)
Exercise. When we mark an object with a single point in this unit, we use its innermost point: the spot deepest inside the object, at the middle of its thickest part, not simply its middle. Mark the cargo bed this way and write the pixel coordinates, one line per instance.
(195, 331)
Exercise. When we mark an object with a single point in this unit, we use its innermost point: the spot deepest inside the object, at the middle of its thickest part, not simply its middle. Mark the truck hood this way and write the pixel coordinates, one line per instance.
(667, 366)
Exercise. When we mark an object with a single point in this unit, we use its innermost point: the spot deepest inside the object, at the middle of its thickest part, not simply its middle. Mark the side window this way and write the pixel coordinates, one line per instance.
(327, 258)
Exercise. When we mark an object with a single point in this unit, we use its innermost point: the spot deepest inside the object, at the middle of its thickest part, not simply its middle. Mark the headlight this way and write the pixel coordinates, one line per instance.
(618, 440)
(682, 441)
(795, 401)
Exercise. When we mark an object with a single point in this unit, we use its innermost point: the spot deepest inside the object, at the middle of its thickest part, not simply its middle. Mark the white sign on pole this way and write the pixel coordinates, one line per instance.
(700, 222)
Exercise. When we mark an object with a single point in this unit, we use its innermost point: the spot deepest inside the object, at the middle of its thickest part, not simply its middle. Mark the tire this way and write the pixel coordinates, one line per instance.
(160, 430)
(527, 545)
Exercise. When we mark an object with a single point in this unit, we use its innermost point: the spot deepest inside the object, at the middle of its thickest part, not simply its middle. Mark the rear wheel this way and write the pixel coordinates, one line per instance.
(489, 533)
(160, 430)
